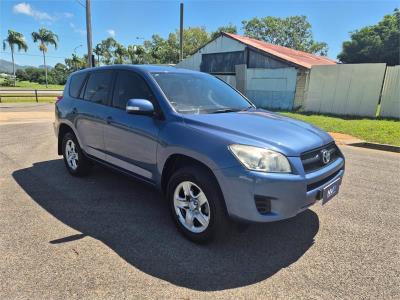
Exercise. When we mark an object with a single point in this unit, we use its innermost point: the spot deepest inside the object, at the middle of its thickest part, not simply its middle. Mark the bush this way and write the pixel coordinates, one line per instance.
(22, 75)
(56, 75)
(8, 81)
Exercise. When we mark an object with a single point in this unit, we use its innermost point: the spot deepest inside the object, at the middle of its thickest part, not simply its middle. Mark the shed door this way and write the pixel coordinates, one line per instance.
(271, 88)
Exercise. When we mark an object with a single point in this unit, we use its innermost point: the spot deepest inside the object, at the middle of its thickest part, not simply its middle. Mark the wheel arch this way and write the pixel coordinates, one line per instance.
(62, 130)
(176, 161)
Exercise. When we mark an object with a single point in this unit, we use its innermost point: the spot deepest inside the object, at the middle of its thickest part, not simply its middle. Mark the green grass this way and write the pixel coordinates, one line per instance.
(370, 130)
(34, 86)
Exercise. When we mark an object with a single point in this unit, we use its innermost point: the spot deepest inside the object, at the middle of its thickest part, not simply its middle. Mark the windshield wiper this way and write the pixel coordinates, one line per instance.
(225, 110)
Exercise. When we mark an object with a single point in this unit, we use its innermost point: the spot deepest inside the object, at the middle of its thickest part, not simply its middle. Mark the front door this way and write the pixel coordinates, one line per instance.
(131, 140)
(91, 112)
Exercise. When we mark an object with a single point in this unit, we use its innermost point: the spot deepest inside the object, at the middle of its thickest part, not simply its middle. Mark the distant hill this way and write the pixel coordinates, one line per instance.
(6, 66)
(48, 67)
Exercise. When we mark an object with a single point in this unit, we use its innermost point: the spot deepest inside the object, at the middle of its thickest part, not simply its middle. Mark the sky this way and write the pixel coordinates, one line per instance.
(130, 21)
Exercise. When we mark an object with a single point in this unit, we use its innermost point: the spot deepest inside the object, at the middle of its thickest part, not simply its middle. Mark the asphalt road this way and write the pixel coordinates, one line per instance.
(108, 236)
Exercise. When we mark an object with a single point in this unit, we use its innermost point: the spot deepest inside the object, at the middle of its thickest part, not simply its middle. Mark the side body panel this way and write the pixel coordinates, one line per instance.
(131, 142)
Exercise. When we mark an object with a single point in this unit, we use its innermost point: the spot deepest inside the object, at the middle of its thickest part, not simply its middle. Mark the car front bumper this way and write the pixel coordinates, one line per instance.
(285, 195)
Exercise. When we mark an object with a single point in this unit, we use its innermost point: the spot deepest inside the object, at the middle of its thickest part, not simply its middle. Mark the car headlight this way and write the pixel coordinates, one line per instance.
(261, 159)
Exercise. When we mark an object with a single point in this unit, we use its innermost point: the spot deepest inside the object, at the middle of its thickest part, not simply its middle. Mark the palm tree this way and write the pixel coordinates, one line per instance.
(14, 39)
(45, 37)
(120, 54)
(98, 50)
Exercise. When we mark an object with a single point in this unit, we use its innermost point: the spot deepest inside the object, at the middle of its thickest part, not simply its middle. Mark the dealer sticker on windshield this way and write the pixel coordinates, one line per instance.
(331, 190)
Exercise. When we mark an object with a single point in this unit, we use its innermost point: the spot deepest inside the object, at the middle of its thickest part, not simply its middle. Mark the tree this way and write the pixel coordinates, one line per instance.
(120, 54)
(35, 74)
(160, 51)
(136, 54)
(230, 28)
(98, 51)
(14, 39)
(292, 32)
(194, 38)
(166, 51)
(108, 47)
(75, 63)
(59, 74)
(378, 43)
(45, 37)
(21, 75)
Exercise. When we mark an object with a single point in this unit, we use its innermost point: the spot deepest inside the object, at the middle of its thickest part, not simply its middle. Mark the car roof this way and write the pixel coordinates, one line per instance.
(141, 68)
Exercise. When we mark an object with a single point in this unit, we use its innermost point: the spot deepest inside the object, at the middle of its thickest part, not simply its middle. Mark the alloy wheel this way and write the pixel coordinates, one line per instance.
(191, 207)
(71, 154)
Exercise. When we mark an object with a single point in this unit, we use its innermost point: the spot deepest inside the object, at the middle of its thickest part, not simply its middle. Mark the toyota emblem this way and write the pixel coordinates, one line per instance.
(326, 156)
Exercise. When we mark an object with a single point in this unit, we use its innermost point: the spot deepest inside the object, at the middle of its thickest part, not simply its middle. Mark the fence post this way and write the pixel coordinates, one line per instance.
(36, 96)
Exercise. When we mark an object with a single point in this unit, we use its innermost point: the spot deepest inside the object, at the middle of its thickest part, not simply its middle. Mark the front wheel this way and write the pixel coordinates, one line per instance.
(196, 205)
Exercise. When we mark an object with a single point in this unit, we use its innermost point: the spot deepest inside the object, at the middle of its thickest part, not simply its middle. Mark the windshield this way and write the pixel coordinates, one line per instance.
(199, 93)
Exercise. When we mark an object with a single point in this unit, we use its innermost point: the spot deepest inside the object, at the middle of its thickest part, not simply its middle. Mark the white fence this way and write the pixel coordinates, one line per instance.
(352, 89)
(390, 100)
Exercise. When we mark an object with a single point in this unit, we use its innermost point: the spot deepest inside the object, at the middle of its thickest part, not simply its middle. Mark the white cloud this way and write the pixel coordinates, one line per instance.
(77, 29)
(68, 15)
(26, 9)
(111, 32)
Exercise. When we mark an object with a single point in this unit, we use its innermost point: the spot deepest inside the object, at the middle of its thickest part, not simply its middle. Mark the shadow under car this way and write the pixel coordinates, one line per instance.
(132, 219)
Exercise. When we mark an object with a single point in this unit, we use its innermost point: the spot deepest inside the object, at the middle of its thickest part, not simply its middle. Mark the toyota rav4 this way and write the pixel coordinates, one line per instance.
(205, 146)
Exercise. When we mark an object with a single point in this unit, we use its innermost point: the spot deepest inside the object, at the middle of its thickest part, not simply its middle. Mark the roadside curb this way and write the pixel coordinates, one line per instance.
(375, 146)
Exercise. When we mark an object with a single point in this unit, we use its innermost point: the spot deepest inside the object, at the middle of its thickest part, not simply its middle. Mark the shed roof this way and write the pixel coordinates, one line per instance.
(296, 57)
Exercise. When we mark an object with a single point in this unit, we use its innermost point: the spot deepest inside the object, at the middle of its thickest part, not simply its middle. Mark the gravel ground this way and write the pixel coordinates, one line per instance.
(108, 236)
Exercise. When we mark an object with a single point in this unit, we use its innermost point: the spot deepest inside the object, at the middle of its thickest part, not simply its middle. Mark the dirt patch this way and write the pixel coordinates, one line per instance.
(344, 139)
(7, 117)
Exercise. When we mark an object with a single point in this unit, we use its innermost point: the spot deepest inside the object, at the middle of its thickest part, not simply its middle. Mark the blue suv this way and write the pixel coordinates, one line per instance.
(211, 152)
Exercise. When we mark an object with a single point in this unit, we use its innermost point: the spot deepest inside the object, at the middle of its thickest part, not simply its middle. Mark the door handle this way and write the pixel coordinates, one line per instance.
(109, 120)
(74, 110)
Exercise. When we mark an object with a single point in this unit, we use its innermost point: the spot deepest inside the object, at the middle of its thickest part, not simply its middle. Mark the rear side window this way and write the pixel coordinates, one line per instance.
(98, 87)
(76, 84)
(130, 86)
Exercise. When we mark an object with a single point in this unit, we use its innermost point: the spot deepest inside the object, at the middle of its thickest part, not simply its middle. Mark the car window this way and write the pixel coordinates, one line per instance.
(98, 87)
(76, 84)
(130, 86)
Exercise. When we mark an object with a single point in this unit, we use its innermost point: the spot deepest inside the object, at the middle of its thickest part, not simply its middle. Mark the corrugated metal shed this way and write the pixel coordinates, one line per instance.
(296, 57)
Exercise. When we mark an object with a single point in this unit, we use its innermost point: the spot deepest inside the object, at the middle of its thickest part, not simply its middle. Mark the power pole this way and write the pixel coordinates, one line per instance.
(181, 34)
(89, 33)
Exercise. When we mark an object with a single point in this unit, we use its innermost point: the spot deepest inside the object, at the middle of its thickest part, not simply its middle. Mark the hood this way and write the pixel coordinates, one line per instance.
(263, 129)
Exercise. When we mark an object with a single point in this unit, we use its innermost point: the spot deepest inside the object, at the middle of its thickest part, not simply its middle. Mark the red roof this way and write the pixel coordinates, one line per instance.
(296, 57)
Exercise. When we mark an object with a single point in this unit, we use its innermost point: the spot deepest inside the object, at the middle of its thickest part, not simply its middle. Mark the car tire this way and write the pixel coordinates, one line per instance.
(75, 160)
(212, 206)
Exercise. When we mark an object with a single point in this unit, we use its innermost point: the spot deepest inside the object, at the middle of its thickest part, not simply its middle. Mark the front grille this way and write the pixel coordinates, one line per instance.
(313, 186)
(313, 160)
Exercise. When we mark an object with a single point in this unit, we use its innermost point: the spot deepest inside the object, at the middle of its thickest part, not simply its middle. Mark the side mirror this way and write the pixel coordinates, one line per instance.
(140, 107)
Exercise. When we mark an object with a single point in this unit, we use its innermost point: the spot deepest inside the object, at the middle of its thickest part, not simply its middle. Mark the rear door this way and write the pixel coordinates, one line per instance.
(92, 112)
(131, 140)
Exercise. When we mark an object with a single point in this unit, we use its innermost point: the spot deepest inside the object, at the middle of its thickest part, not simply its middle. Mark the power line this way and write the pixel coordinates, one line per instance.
(28, 54)
(80, 3)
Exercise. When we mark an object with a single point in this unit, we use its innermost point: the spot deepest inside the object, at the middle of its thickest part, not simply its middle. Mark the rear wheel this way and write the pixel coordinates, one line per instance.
(196, 205)
(76, 162)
